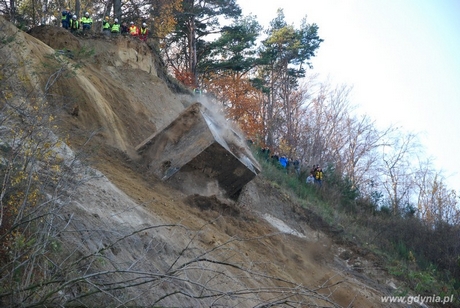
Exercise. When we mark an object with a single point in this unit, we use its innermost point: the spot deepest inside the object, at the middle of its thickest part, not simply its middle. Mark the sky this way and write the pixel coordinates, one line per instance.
(401, 58)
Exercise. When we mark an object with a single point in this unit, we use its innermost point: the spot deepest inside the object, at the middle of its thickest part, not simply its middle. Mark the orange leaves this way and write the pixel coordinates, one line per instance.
(165, 20)
(240, 100)
(185, 77)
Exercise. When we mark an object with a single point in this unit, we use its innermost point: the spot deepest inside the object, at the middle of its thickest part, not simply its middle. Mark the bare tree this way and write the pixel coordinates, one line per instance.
(435, 202)
(359, 157)
(324, 128)
(396, 170)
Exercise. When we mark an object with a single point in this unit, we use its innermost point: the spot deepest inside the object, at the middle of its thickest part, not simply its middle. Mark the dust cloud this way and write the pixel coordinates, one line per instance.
(228, 133)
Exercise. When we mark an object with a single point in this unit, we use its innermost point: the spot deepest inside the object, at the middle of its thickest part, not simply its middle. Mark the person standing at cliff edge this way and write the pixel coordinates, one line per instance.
(65, 18)
(74, 24)
(143, 32)
(106, 27)
(133, 29)
(115, 28)
(86, 22)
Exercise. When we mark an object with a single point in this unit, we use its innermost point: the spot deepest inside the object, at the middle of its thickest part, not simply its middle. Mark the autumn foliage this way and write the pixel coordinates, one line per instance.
(240, 100)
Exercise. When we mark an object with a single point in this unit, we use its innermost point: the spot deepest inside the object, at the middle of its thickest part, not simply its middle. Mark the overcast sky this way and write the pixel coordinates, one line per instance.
(402, 58)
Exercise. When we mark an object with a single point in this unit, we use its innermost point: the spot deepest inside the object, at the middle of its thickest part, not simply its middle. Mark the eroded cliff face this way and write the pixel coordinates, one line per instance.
(113, 83)
(127, 238)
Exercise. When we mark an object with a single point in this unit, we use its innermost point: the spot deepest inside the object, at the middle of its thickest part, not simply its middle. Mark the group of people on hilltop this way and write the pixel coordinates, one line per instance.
(116, 28)
(141, 32)
(69, 21)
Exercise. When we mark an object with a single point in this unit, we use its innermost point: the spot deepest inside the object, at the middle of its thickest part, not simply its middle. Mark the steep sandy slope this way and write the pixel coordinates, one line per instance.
(202, 251)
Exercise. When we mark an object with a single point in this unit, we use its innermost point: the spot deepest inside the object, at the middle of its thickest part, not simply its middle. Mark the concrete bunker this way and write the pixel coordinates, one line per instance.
(199, 154)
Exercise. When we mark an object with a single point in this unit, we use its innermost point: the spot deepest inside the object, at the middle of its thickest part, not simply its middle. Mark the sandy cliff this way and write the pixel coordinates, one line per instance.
(156, 243)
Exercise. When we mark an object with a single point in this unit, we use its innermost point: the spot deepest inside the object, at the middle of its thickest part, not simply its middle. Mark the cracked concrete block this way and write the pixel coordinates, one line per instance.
(196, 152)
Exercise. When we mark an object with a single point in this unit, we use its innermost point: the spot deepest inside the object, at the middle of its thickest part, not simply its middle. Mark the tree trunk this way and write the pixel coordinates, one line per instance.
(13, 11)
(271, 102)
(33, 12)
(117, 9)
(77, 8)
(192, 51)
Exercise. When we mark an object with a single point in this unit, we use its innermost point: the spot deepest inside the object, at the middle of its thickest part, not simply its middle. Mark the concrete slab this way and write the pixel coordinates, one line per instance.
(196, 150)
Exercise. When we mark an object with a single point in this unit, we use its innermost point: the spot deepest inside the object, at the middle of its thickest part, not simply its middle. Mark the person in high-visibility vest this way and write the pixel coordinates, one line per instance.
(106, 27)
(115, 27)
(143, 32)
(86, 22)
(74, 24)
(133, 30)
(65, 18)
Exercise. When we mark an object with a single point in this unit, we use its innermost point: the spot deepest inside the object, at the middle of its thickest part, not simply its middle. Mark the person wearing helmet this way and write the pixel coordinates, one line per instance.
(106, 26)
(143, 32)
(133, 29)
(115, 27)
(65, 18)
(86, 22)
(74, 24)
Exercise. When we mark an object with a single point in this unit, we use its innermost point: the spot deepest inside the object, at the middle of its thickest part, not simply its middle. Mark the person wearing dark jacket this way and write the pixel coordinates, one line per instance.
(66, 16)
(124, 28)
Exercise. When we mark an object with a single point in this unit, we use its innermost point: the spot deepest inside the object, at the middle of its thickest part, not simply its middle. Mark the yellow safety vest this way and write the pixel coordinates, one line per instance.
(143, 30)
(85, 20)
(319, 175)
(74, 24)
(106, 25)
(116, 28)
(133, 30)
